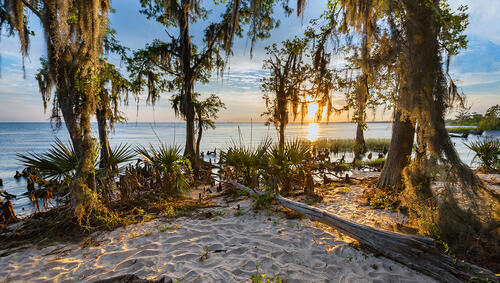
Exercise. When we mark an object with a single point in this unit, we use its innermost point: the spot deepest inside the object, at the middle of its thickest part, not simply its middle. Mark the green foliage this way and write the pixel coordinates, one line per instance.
(168, 159)
(246, 161)
(263, 201)
(120, 154)
(263, 278)
(462, 129)
(58, 163)
(348, 145)
(287, 163)
(289, 72)
(491, 119)
(384, 200)
(454, 24)
(487, 151)
(374, 163)
(165, 228)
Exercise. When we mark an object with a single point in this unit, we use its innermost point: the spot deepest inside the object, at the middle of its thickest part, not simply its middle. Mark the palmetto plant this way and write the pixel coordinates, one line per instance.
(488, 153)
(247, 161)
(56, 164)
(59, 162)
(287, 163)
(170, 166)
(120, 154)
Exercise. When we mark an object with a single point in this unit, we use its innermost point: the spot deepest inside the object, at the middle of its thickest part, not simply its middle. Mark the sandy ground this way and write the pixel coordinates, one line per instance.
(232, 248)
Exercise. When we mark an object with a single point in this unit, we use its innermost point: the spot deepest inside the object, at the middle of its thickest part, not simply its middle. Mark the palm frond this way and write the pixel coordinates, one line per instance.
(56, 163)
(487, 151)
(120, 154)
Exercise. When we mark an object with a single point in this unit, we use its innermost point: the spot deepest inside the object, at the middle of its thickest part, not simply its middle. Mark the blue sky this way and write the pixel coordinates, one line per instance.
(477, 70)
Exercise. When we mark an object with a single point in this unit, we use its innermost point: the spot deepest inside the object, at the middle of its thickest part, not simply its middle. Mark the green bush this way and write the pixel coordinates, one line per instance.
(490, 120)
(247, 161)
(487, 152)
(288, 163)
(169, 165)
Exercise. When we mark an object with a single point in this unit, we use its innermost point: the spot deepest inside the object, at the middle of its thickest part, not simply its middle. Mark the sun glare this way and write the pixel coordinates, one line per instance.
(313, 131)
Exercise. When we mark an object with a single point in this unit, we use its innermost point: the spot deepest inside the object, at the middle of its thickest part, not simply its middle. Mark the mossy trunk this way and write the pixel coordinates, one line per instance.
(360, 146)
(426, 83)
(188, 81)
(363, 91)
(399, 155)
(83, 184)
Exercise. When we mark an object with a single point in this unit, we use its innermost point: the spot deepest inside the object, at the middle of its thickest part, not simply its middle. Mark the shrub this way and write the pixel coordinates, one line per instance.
(288, 164)
(487, 151)
(171, 170)
(246, 162)
(490, 120)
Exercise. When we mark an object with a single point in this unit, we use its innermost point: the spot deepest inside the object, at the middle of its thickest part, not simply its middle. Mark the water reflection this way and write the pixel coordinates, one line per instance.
(313, 131)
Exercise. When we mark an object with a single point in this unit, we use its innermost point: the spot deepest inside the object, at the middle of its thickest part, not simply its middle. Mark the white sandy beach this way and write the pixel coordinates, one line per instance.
(295, 250)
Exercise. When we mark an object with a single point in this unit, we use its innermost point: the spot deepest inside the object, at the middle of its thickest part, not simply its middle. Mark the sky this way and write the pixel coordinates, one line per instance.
(476, 70)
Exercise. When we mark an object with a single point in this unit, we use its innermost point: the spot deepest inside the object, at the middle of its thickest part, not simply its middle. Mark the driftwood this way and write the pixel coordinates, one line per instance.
(414, 251)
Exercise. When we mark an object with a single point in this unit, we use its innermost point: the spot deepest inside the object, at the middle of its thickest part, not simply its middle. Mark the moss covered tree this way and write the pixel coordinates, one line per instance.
(178, 64)
(74, 32)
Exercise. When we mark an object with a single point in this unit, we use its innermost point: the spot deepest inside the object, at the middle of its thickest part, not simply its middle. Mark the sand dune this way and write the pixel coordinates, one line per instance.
(294, 250)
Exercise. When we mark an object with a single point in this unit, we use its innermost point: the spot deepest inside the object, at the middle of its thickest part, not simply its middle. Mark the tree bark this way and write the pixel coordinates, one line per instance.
(102, 126)
(187, 89)
(399, 155)
(80, 134)
(363, 91)
(200, 133)
(282, 134)
(360, 146)
(415, 251)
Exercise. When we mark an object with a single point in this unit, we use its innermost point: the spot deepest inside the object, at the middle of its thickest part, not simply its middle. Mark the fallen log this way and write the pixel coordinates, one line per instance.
(415, 251)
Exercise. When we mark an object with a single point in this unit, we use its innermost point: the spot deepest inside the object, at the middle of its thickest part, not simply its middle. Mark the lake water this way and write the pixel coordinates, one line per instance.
(37, 137)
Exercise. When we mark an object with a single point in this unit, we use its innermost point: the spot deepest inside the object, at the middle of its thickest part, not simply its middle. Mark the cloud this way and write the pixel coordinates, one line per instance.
(483, 15)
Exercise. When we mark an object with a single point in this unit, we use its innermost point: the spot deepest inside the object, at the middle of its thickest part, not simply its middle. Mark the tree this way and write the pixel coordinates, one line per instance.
(284, 90)
(74, 32)
(206, 112)
(491, 119)
(177, 65)
(399, 155)
(114, 89)
(463, 113)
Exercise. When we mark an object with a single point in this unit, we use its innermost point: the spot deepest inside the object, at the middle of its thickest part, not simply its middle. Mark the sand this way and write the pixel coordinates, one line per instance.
(224, 248)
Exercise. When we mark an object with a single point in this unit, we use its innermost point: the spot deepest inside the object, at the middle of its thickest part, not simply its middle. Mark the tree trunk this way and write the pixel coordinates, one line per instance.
(84, 182)
(282, 134)
(363, 91)
(414, 251)
(403, 135)
(102, 126)
(425, 79)
(360, 146)
(188, 79)
(200, 133)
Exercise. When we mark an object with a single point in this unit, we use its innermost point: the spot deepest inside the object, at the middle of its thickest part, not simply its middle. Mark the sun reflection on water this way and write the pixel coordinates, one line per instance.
(313, 131)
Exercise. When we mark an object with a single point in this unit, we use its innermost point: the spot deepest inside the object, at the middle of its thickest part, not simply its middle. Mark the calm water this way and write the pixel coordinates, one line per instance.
(37, 137)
